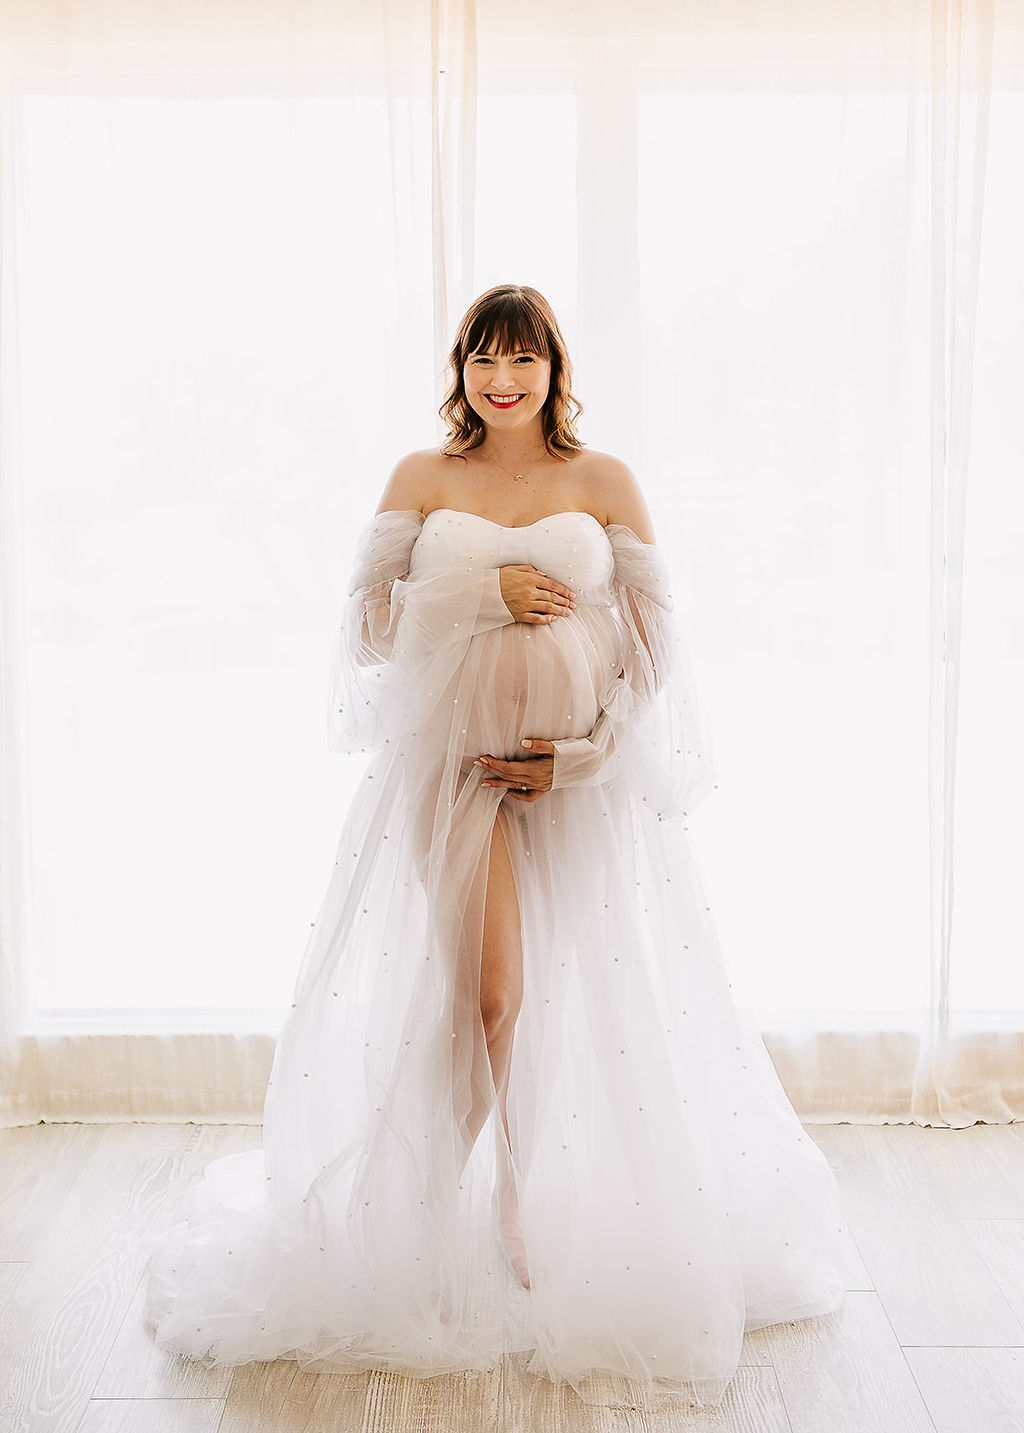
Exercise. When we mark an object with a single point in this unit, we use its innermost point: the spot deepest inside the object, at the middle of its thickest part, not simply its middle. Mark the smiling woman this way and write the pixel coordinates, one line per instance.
(515, 1106)
(793, 361)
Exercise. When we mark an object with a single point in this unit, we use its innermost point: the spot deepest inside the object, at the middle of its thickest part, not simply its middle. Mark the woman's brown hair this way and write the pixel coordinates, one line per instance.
(511, 319)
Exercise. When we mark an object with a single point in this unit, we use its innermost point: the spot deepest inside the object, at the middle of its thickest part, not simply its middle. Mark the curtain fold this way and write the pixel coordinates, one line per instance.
(453, 131)
(961, 84)
(14, 845)
(422, 145)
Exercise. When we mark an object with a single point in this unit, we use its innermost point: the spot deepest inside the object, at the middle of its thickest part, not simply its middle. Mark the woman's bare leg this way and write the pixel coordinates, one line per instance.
(486, 998)
(501, 963)
(501, 996)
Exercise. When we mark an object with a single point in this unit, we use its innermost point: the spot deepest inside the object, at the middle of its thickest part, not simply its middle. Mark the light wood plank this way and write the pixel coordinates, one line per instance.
(752, 1404)
(979, 1170)
(930, 1277)
(280, 1398)
(846, 1373)
(152, 1415)
(971, 1390)
(853, 1272)
(70, 1302)
(12, 1276)
(259, 1392)
(433, 1405)
(842, 1157)
(756, 1349)
(1000, 1242)
(40, 1168)
(12, 1271)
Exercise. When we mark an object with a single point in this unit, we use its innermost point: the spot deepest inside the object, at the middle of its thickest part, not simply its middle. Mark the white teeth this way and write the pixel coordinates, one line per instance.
(505, 402)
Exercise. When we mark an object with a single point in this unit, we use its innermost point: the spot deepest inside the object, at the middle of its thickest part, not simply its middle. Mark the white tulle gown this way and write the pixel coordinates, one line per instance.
(654, 1174)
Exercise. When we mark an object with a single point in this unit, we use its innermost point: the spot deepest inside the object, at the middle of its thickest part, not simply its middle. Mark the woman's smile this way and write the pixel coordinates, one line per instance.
(499, 382)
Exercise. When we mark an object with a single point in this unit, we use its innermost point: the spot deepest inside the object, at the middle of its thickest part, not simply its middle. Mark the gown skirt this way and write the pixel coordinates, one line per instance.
(649, 1166)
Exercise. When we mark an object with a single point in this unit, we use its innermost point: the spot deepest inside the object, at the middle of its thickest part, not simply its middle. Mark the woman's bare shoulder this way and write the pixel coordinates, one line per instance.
(616, 494)
(413, 481)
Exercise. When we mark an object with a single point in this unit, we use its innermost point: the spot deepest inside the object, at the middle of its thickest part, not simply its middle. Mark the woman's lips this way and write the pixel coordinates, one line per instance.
(509, 402)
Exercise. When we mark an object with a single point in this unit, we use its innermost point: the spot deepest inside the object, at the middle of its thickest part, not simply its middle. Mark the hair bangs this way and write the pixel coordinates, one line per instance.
(509, 327)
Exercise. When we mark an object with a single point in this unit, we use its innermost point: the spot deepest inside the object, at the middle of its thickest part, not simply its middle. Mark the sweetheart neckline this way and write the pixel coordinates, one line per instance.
(521, 527)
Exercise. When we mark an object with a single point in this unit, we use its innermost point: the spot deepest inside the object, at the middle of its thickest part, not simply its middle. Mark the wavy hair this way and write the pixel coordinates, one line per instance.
(512, 319)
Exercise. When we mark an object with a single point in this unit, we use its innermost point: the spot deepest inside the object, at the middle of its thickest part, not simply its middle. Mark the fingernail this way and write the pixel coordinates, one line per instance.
(524, 742)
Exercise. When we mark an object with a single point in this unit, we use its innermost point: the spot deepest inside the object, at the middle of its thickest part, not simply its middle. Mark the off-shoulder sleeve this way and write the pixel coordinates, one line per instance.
(396, 625)
(651, 731)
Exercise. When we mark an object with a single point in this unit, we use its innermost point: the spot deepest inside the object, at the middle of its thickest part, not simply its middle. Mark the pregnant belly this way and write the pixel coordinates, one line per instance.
(537, 680)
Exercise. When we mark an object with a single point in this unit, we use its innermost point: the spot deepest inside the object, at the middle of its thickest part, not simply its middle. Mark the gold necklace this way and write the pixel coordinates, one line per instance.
(511, 474)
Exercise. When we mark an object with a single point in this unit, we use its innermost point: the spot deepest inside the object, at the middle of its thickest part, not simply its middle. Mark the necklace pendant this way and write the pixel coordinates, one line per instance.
(517, 476)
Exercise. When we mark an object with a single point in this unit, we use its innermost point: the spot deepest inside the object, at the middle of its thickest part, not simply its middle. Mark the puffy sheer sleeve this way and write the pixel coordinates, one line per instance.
(395, 626)
(650, 729)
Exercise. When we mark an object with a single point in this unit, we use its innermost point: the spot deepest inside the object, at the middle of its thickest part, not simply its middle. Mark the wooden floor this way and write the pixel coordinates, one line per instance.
(931, 1338)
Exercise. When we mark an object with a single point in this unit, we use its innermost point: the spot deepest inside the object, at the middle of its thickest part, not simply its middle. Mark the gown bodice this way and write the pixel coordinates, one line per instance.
(569, 546)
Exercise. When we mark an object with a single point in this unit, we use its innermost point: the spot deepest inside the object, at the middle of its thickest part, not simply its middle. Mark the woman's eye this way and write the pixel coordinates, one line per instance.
(519, 358)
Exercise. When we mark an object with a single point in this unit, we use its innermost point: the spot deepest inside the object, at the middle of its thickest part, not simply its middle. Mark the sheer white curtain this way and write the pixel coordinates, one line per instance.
(783, 242)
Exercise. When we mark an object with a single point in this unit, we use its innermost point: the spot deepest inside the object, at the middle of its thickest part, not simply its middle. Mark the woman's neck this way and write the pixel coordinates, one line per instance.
(514, 449)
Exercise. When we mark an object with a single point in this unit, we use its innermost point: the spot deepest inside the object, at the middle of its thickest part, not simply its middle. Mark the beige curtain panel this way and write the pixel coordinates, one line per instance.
(783, 241)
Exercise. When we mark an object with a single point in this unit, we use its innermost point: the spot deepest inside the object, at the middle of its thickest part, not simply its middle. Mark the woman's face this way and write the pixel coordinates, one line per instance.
(507, 390)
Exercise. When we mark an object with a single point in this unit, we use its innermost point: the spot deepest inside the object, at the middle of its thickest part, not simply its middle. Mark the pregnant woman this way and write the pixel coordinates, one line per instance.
(514, 1106)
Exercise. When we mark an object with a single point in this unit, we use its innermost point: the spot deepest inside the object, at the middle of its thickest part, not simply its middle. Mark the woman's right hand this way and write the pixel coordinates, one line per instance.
(532, 597)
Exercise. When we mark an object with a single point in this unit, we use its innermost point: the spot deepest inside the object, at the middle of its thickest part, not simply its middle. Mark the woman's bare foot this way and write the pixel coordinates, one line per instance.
(515, 1251)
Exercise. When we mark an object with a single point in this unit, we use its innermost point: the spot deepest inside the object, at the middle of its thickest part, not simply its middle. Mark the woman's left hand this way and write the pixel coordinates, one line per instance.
(533, 772)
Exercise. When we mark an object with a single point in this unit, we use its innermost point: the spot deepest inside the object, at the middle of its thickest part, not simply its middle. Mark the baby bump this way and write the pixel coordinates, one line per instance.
(538, 680)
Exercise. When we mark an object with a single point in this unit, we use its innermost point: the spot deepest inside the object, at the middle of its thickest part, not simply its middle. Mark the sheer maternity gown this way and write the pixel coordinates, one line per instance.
(647, 1159)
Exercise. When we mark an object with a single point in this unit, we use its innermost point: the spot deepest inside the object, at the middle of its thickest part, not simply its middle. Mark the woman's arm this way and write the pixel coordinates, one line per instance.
(406, 491)
(624, 503)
